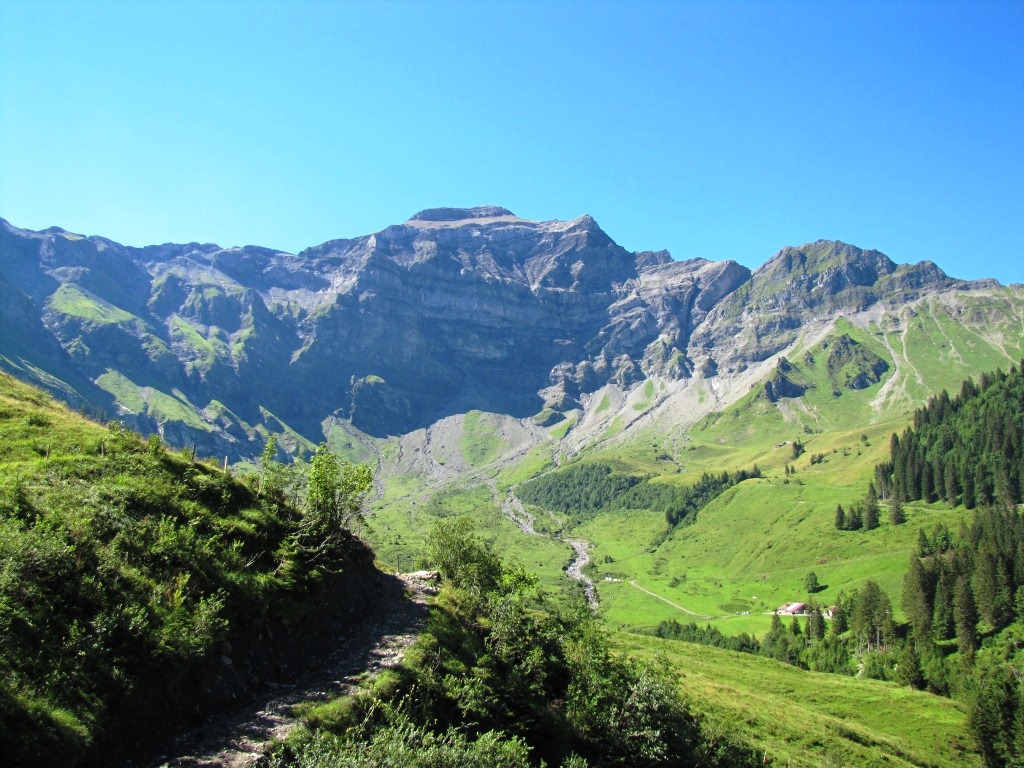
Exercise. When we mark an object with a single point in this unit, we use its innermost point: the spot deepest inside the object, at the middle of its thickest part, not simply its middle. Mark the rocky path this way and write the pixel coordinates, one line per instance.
(376, 642)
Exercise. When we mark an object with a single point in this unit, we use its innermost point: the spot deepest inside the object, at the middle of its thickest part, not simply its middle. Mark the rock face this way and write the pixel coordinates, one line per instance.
(453, 310)
(814, 281)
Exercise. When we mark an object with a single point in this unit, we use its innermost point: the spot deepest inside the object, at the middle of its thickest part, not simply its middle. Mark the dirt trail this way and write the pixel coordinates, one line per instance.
(376, 642)
(674, 605)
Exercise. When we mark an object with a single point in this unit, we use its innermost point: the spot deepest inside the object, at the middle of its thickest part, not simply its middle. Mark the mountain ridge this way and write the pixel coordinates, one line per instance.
(456, 309)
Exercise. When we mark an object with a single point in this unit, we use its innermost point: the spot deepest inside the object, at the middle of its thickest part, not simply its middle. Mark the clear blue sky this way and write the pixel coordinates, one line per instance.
(720, 130)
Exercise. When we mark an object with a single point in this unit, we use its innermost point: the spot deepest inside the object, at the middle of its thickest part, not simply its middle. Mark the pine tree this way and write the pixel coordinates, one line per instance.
(871, 510)
(908, 666)
(896, 514)
(776, 636)
(1018, 604)
(840, 518)
(967, 497)
(841, 615)
(966, 617)
(815, 623)
(924, 547)
(927, 482)
(982, 486)
(951, 486)
(854, 520)
(916, 601)
(943, 622)
(870, 516)
(871, 621)
(1002, 605)
(983, 586)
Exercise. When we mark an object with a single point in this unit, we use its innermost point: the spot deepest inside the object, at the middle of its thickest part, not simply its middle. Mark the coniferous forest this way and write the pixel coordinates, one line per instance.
(965, 450)
(584, 490)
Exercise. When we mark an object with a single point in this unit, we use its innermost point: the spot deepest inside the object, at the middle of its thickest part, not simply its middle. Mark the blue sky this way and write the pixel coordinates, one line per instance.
(723, 130)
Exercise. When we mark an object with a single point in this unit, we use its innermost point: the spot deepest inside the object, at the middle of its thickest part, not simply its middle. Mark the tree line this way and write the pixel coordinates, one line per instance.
(863, 637)
(583, 490)
(963, 594)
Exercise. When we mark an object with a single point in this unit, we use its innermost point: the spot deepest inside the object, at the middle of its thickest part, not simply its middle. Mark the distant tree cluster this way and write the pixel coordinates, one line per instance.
(862, 627)
(958, 591)
(584, 490)
(966, 450)
(707, 635)
(579, 491)
(689, 501)
(860, 516)
(798, 449)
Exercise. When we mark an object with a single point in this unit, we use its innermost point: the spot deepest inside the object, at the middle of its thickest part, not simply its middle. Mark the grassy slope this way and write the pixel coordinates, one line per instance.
(123, 567)
(749, 550)
(801, 718)
(400, 526)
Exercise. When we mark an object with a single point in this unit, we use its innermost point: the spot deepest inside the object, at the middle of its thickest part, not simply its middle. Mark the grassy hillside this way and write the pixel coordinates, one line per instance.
(849, 388)
(400, 527)
(800, 718)
(124, 570)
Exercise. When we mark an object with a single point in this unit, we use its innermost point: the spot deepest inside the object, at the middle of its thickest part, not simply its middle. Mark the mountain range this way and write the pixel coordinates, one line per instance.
(456, 310)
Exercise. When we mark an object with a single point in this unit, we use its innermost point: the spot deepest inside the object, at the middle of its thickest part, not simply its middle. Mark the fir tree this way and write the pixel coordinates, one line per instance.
(965, 616)
(870, 516)
(951, 485)
(924, 546)
(871, 621)
(815, 623)
(917, 604)
(943, 622)
(854, 519)
(908, 666)
(896, 514)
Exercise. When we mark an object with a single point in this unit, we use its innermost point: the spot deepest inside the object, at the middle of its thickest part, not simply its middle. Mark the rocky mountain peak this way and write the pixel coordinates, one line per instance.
(444, 218)
(861, 267)
(462, 214)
